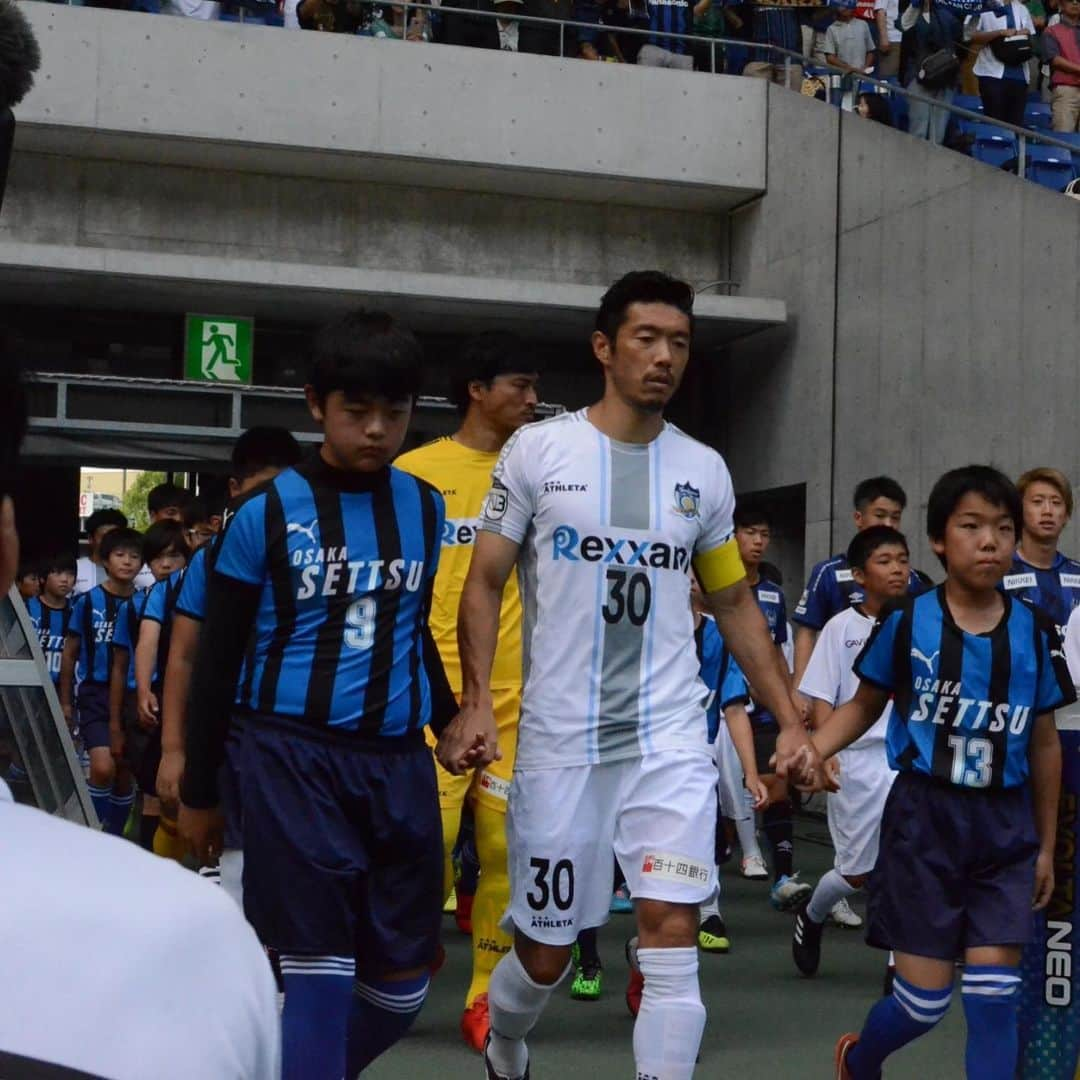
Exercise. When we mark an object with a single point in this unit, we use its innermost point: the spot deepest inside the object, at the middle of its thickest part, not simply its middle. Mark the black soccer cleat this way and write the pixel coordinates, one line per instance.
(490, 1069)
(806, 941)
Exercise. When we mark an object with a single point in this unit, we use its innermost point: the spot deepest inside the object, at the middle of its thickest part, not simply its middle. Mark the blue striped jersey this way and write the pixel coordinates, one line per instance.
(831, 588)
(1056, 590)
(964, 704)
(670, 17)
(191, 599)
(720, 672)
(126, 634)
(51, 625)
(157, 605)
(94, 621)
(345, 579)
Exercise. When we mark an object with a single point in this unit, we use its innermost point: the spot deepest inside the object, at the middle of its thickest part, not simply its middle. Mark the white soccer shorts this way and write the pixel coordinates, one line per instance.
(854, 812)
(656, 813)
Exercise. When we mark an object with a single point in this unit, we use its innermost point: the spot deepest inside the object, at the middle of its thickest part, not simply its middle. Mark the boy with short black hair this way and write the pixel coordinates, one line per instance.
(50, 611)
(28, 580)
(135, 737)
(167, 502)
(89, 646)
(878, 558)
(90, 569)
(332, 563)
(967, 837)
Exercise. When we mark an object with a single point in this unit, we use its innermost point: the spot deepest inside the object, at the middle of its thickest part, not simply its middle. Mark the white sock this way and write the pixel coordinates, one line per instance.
(671, 1020)
(710, 907)
(515, 1003)
(830, 888)
(746, 830)
(231, 869)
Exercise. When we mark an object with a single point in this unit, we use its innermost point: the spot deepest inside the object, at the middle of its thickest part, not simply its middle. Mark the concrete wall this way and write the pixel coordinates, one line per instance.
(939, 295)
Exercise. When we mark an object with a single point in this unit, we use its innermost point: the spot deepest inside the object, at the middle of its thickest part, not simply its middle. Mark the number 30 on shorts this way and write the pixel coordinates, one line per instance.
(552, 883)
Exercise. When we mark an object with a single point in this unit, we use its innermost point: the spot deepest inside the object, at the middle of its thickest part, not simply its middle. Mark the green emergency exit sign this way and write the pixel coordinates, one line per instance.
(219, 348)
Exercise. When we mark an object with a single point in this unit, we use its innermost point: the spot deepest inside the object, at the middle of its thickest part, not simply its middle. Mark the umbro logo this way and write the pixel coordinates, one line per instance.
(927, 660)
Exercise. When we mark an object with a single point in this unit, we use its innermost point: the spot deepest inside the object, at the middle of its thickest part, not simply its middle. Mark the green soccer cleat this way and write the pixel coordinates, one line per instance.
(588, 982)
(712, 936)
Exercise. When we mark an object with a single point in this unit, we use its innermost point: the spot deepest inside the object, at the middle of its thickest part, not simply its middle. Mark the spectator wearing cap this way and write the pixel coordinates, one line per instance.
(778, 27)
(1061, 50)
(849, 45)
(933, 27)
(1002, 87)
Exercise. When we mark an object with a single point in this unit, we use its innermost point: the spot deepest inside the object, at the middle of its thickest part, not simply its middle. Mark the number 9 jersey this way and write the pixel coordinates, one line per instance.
(608, 532)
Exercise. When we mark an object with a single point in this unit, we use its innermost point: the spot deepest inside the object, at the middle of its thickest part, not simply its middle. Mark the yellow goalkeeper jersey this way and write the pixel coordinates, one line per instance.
(463, 476)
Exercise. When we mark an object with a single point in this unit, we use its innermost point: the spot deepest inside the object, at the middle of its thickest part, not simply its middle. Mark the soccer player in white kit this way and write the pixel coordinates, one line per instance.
(604, 510)
(879, 561)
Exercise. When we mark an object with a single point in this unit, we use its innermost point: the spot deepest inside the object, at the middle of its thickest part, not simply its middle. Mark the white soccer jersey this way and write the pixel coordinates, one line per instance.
(830, 674)
(607, 532)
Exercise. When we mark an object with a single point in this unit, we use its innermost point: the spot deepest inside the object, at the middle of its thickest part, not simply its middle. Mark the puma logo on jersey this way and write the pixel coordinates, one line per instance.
(927, 660)
(567, 543)
(304, 530)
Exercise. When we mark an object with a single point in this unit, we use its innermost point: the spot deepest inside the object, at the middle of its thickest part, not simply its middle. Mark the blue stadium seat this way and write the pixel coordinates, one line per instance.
(971, 102)
(901, 111)
(993, 145)
(1037, 116)
(1074, 138)
(1049, 166)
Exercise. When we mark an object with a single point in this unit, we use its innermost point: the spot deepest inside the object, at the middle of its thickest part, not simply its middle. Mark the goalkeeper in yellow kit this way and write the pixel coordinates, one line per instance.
(494, 389)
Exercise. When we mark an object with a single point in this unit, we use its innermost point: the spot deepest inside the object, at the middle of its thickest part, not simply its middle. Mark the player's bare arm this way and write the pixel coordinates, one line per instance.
(1044, 759)
(470, 740)
(820, 711)
(145, 661)
(742, 737)
(67, 677)
(117, 686)
(742, 625)
(850, 721)
(183, 648)
(805, 639)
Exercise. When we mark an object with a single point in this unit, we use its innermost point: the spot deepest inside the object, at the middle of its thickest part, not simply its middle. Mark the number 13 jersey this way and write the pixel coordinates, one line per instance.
(608, 531)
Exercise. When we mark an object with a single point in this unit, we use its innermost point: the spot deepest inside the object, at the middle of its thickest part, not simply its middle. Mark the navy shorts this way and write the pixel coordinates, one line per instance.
(764, 746)
(955, 869)
(142, 746)
(93, 712)
(342, 845)
(229, 784)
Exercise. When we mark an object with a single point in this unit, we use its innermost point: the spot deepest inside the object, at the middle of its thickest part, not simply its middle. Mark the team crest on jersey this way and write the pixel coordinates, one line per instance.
(495, 504)
(687, 501)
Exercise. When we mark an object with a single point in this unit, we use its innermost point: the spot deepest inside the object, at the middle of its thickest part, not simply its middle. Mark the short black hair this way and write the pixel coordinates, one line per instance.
(642, 287)
(878, 487)
(26, 569)
(483, 358)
(869, 540)
(264, 447)
(63, 563)
(99, 518)
(746, 516)
(163, 537)
(165, 495)
(128, 539)
(992, 484)
(196, 512)
(366, 355)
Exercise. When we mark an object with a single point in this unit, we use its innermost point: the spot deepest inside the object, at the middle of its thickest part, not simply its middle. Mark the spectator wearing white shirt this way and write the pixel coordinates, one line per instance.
(1003, 86)
(848, 42)
(886, 13)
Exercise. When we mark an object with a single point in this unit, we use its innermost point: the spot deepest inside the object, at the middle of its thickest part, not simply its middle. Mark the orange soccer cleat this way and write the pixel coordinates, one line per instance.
(475, 1023)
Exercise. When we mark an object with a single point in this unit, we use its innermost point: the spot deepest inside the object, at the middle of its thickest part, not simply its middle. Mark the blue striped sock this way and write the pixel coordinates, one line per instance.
(991, 998)
(382, 1012)
(893, 1022)
(315, 1020)
(118, 811)
(99, 796)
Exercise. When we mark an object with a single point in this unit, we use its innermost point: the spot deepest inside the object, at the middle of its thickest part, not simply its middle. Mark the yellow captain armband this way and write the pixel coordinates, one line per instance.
(719, 568)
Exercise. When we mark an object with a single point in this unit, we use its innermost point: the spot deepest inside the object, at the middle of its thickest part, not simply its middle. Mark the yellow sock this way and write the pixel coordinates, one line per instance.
(167, 841)
(451, 822)
(490, 943)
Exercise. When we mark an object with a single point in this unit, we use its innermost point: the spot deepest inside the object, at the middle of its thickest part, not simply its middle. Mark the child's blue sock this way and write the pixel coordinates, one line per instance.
(99, 796)
(315, 1020)
(118, 811)
(894, 1022)
(991, 997)
(382, 1012)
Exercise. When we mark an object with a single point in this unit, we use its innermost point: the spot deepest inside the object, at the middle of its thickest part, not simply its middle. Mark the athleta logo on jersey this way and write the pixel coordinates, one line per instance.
(981, 715)
(568, 543)
(558, 487)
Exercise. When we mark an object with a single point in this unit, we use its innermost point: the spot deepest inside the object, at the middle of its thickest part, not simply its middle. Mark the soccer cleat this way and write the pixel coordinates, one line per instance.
(806, 941)
(842, 916)
(621, 904)
(490, 1069)
(789, 892)
(476, 1023)
(588, 981)
(754, 868)
(463, 912)
(450, 906)
(636, 984)
(712, 935)
(843, 1048)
